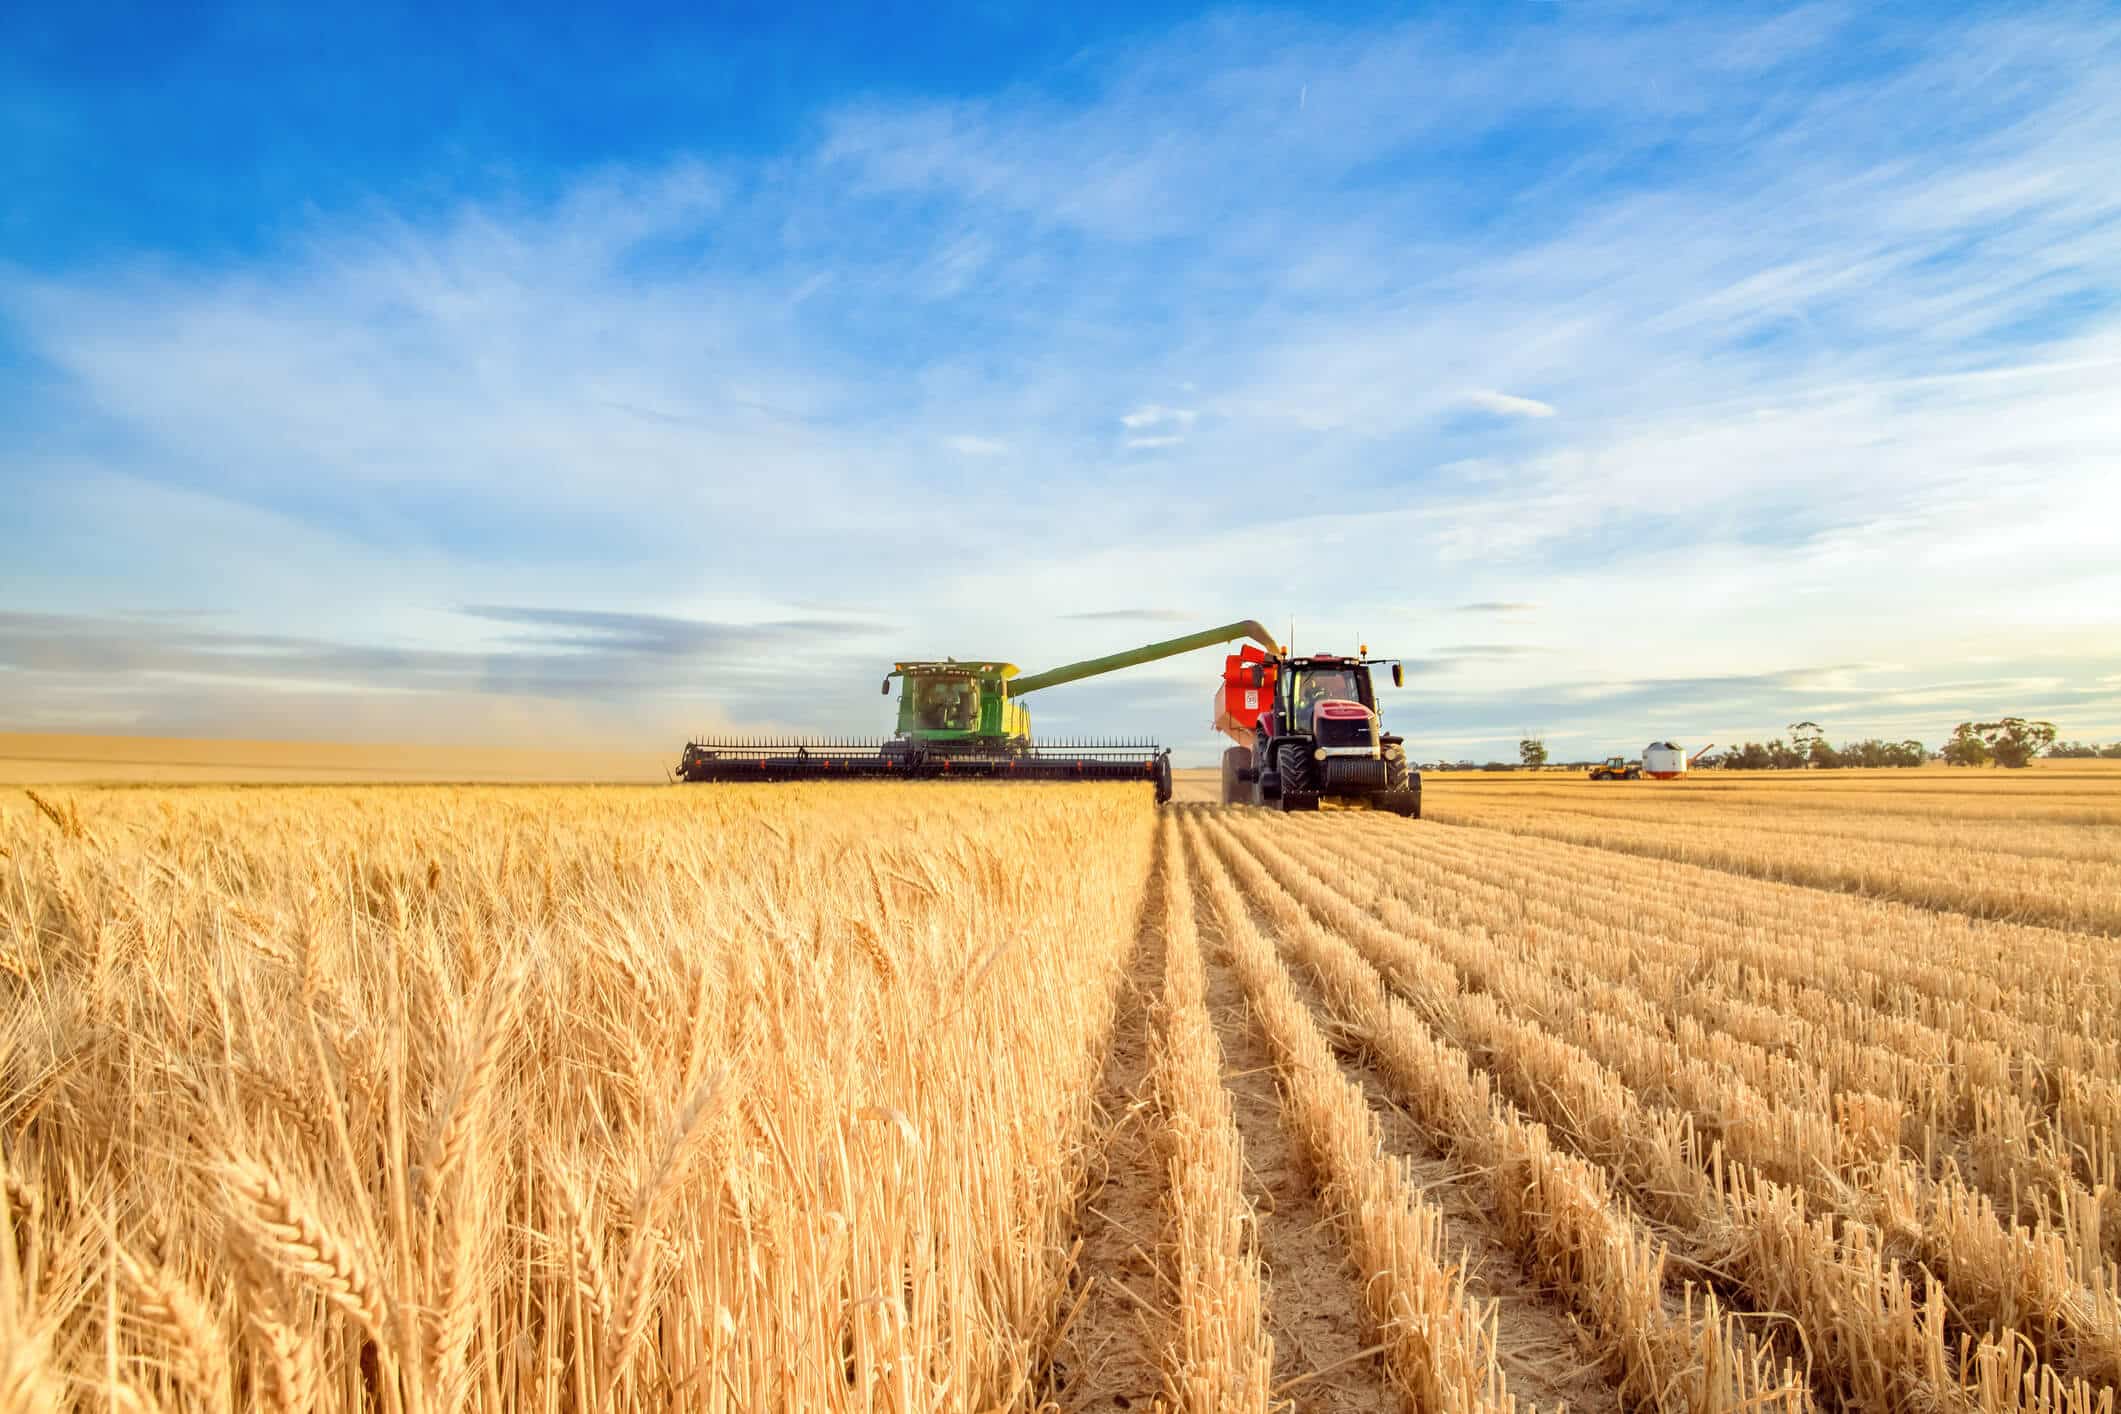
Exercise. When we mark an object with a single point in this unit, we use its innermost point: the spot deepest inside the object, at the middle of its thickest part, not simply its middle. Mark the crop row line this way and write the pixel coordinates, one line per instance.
(1774, 1110)
(1943, 1076)
(1439, 1348)
(2059, 893)
(1557, 1211)
(1222, 1361)
(1851, 1298)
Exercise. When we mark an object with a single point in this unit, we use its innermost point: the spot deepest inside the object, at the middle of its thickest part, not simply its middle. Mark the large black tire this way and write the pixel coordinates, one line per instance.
(1236, 789)
(1395, 770)
(1292, 762)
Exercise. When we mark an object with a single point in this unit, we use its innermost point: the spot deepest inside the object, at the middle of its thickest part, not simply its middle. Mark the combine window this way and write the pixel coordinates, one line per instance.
(948, 704)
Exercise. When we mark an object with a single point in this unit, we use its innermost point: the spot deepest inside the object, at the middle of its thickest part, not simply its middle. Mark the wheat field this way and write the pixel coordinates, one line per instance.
(1745, 1092)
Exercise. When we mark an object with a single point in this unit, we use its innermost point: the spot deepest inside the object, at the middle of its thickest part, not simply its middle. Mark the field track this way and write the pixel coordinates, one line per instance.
(1748, 1093)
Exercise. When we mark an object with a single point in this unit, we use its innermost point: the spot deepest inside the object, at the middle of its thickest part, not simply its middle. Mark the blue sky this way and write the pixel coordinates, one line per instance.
(593, 377)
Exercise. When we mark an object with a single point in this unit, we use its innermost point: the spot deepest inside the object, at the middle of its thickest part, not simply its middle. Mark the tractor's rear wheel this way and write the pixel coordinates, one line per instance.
(1293, 764)
(1236, 789)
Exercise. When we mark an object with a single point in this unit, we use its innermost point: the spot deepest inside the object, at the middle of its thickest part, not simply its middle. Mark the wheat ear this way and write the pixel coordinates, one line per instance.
(294, 1241)
(167, 1303)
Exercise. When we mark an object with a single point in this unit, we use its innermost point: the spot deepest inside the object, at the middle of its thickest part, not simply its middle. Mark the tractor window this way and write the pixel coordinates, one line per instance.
(1316, 685)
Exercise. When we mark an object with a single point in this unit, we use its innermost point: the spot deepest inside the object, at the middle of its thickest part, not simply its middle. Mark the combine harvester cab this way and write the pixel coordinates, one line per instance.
(1308, 731)
(964, 720)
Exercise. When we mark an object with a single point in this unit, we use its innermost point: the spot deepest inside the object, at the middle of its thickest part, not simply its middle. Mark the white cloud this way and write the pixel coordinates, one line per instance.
(1155, 415)
(1143, 443)
(976, 446)
(1508, 405)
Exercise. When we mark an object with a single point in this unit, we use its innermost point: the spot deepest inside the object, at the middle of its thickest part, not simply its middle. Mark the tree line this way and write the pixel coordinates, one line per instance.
(2008, 741)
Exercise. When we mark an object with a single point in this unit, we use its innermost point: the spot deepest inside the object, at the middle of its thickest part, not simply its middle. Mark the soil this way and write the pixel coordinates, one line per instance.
(1109, 1357)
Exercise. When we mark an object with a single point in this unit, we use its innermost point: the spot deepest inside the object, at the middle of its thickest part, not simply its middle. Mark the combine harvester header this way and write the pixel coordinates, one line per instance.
(966, 718)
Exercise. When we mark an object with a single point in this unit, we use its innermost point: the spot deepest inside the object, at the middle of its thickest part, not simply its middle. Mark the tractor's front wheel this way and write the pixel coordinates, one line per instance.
(1293, 764)
(1236, 789)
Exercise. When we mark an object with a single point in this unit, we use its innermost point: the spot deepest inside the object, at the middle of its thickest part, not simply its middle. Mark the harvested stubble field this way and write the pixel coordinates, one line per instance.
(1774, 1093)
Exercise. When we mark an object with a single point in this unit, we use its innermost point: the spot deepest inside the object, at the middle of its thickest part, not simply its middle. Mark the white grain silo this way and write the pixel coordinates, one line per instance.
(1664, 761)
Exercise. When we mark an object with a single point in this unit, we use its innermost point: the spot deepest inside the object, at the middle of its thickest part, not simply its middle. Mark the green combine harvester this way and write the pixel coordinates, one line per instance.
(965, 720)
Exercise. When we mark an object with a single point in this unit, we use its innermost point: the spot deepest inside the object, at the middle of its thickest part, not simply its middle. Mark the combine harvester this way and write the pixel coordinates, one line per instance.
(965, 720)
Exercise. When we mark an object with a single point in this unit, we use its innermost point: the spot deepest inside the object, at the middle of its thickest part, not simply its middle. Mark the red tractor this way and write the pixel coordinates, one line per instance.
(1308, 731)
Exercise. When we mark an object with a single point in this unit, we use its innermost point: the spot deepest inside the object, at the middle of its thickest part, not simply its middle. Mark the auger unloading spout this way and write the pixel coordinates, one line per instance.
(965, 719)
(1149, 653)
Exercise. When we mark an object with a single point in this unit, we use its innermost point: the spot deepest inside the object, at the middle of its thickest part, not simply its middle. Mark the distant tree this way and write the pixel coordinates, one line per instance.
(1817, 752)
(1875, 753)
(2014, 741)
(2084, 751)
(1750, 757)
(1532, 751)
(1967, 747)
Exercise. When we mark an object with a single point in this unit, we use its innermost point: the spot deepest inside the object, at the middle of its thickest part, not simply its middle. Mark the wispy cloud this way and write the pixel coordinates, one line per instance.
(1498, 606)
(1154, 415)
(1508, 405)
(1133, 616)
(976, 446)
(595, 669)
